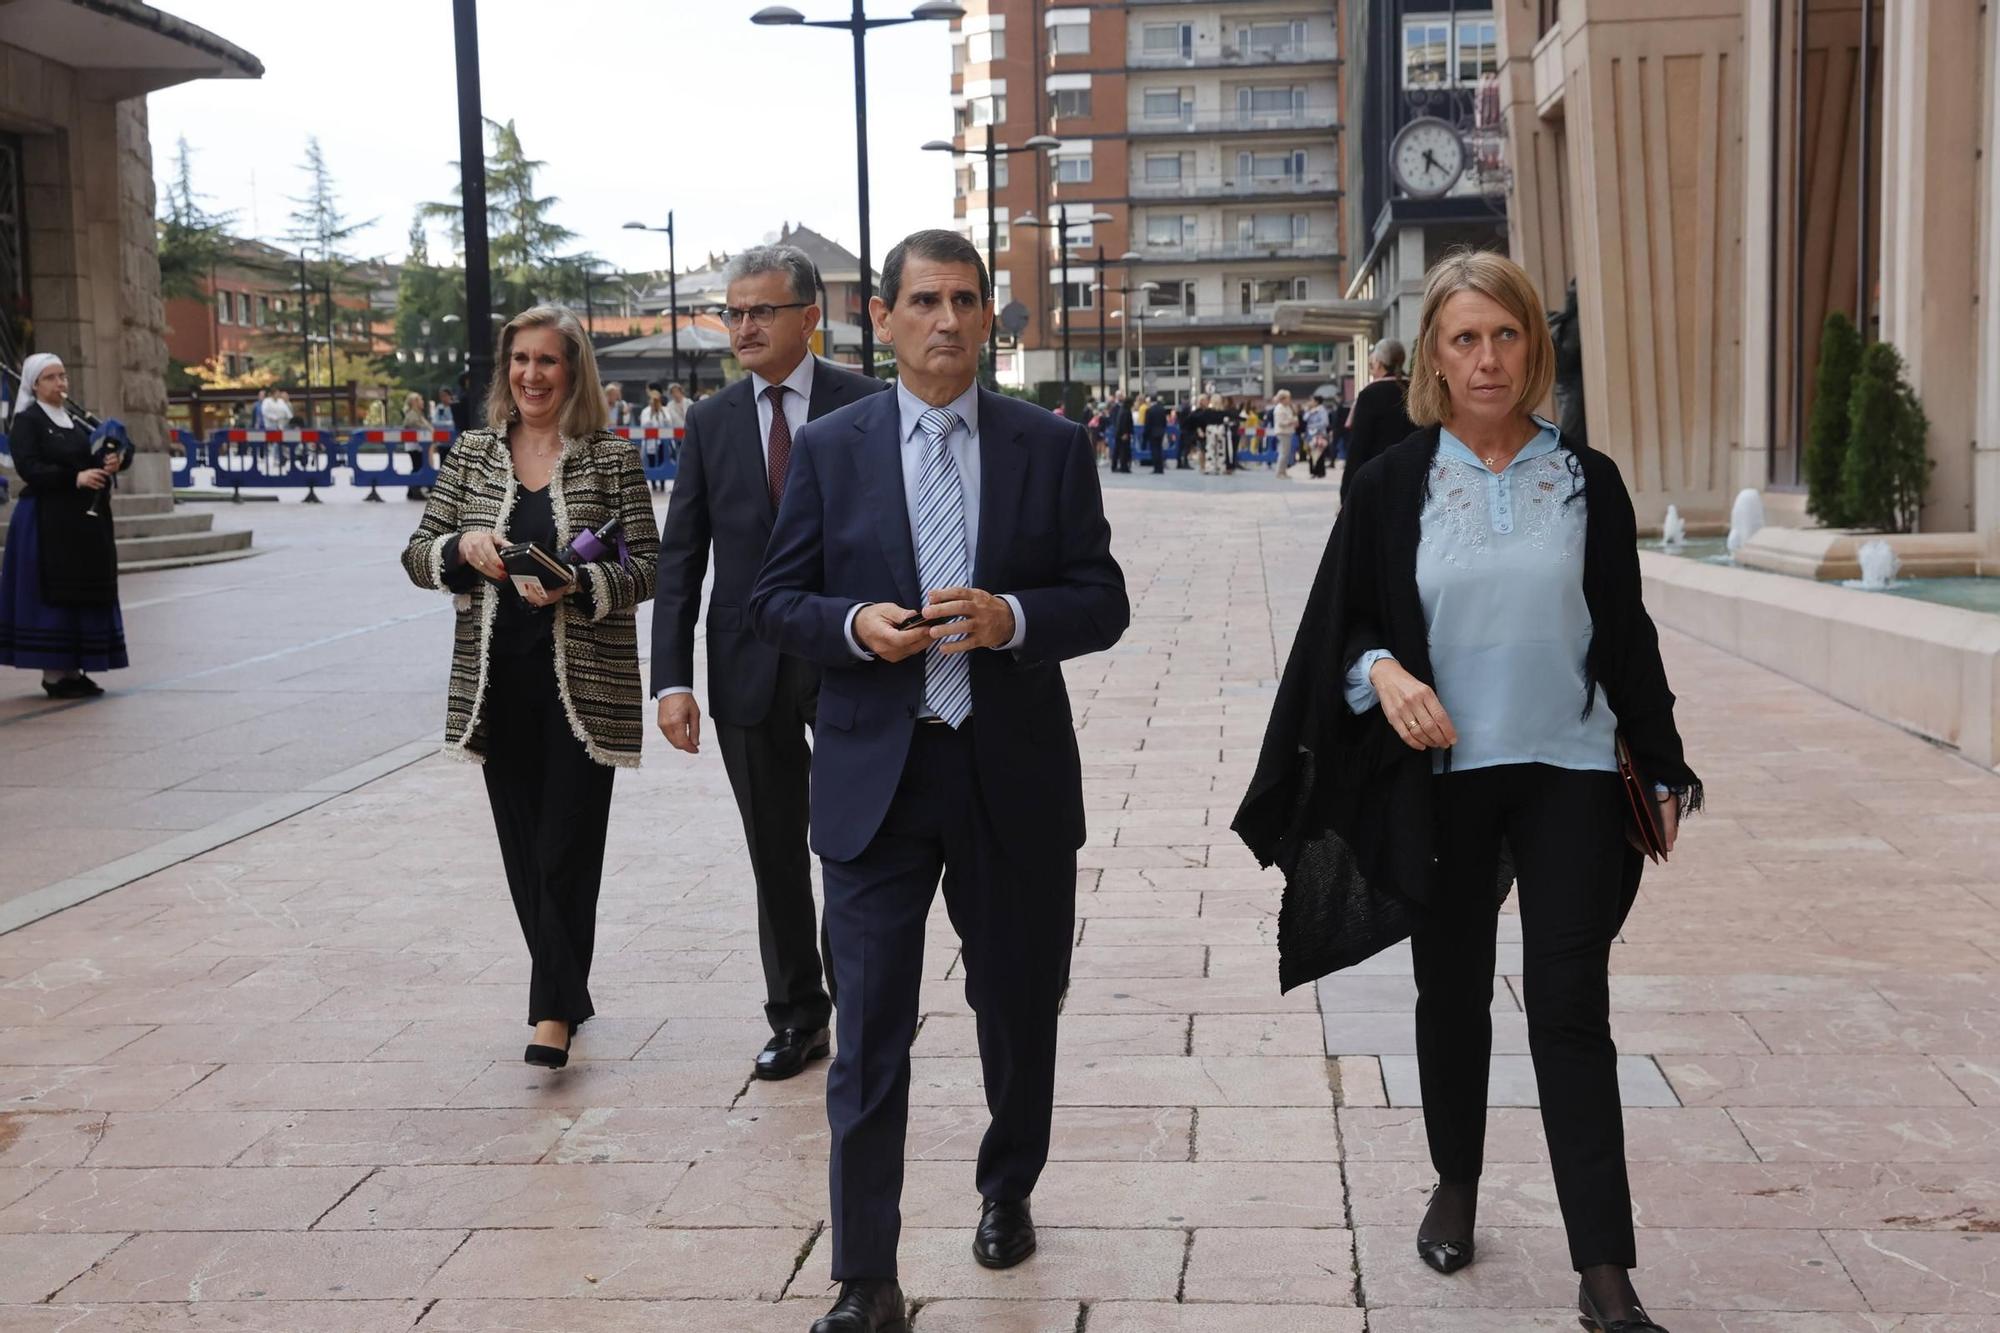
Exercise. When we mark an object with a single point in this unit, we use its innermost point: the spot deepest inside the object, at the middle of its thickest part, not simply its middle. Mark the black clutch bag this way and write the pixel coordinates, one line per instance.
(1645, 830)
(525, 560)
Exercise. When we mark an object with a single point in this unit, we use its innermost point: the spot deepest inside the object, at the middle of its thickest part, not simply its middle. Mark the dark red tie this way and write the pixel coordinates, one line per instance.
(781, 442)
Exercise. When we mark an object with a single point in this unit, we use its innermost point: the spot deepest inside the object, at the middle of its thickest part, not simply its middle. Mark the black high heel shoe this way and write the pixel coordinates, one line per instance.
(1446, 1256)
(548, 1057)
(1587, 1315)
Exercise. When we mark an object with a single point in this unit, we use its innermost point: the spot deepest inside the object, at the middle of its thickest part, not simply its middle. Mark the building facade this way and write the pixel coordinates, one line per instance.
(1195, 186)
(1718, 175)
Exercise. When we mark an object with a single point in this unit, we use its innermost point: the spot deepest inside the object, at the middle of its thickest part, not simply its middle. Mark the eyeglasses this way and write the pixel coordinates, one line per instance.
(760, 315)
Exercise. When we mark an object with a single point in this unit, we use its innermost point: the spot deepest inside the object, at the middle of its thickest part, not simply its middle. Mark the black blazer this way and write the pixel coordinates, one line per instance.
(844, 537)
(722, 495)
(1338, 801)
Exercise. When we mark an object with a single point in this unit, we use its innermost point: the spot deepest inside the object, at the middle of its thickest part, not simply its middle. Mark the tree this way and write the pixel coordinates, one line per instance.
(192, 240)
(1827, 436)
(522, 240)
(430, 348)
(321, 230)
(1887, 466)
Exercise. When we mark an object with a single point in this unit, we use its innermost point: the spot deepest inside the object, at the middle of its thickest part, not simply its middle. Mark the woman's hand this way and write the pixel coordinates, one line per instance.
(535, 593)
(1411, 707)
(92, 479)
(1670, 819)
(114, 461)
(481, 550)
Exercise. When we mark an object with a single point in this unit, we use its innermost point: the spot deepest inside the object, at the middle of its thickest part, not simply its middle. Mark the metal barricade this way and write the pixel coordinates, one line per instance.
(659, 450)
(264, 459)
(189, 452)
(394, 444)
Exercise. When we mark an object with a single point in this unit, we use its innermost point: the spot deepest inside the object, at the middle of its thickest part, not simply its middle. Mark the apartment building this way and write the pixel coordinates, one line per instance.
(1203, 137)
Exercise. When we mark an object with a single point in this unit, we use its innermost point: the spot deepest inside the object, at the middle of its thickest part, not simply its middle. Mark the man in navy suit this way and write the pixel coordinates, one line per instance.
(734, 458)
(944, 743)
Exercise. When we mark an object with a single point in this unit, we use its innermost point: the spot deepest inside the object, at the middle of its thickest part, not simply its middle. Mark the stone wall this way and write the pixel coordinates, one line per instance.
(93, 267)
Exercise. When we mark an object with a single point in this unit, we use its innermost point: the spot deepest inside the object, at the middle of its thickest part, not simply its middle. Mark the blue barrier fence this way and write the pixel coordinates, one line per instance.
(659, 451)
(396, 445)
(264, 459)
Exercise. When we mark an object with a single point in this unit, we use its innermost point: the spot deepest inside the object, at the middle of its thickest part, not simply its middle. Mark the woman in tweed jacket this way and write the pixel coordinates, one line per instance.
(544, 685)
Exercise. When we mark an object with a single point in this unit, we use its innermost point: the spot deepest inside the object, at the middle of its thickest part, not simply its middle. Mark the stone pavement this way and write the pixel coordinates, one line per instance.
(276, 1086)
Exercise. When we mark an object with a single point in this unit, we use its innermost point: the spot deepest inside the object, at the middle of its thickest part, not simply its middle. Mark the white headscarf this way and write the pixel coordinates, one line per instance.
(32, 371)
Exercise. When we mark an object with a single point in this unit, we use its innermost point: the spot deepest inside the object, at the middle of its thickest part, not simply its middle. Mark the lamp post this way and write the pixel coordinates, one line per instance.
(1061, 227)
(859, 25)
(1140, 317)
(472, 197)
(1103, 381)
(993, 152)
(673, 289)
(1124, 304)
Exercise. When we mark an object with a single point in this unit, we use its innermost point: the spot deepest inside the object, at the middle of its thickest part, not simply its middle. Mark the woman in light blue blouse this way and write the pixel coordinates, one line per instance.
(1473, 649)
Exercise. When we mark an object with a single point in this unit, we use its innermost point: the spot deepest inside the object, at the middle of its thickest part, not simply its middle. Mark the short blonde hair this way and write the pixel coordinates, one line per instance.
(584, 411)
(1501, 281)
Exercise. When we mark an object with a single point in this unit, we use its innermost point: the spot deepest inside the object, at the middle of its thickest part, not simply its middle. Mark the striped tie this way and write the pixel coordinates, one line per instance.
(943, 562)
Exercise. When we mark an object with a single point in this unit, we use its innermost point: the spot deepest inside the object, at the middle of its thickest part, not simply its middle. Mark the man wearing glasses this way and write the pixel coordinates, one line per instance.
(735, 453)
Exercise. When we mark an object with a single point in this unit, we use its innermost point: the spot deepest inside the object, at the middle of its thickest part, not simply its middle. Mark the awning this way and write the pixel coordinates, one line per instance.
(123, 48)
(1327, 319)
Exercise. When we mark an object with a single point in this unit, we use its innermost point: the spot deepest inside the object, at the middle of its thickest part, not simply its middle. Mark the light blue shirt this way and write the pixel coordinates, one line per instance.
(1500, 574)
(963, 446)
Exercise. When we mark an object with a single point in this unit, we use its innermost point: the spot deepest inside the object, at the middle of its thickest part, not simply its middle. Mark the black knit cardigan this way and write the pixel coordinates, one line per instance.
(1338, 801)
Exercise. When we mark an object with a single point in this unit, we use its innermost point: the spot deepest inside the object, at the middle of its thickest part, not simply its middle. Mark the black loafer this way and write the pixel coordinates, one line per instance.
(1006, 1234)
(1638, 1322)
(867, 1305)
(791, 1051)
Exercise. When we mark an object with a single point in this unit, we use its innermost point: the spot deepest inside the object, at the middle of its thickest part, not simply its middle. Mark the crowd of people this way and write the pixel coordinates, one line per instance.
(1212, 433)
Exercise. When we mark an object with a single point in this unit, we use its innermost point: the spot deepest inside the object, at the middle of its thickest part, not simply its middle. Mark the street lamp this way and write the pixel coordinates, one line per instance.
(673, 289)
(1103, 384)
(1061, 227)
(1139, 317)
(993, 152)
(859, 25)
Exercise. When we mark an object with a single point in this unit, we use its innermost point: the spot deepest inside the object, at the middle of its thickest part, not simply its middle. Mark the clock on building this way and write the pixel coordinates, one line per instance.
(1427, 157)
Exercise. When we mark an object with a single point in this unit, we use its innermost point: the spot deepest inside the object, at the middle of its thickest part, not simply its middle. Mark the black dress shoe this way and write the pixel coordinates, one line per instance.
(867, 1305)
(791, 1050)
(1638, 1322)
(1006, 1234)
(548, 1057)
(1446, 1256)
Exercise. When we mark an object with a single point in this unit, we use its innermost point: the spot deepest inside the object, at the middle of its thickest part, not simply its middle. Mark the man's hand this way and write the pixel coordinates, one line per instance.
(875, 629)
(680, 722)
(974, 619)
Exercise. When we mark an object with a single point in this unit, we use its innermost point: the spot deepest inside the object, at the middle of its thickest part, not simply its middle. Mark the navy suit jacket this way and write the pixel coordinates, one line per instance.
(843, 537)
(722, 495)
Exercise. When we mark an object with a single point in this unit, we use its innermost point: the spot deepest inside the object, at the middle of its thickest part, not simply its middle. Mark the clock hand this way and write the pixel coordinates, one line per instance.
(1431, 158)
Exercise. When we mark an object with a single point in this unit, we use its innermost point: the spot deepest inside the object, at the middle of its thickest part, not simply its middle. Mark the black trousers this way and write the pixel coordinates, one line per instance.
(1565, 829)
(1158, 444)
(1012, 901)
(770, 772)
(551, 807)
(1121, 454)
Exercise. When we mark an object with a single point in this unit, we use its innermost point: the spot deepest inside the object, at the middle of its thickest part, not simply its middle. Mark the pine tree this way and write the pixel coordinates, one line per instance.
(1827, 436)
(191, 239)
(1887, 467)
(320, 229)
(522, 241)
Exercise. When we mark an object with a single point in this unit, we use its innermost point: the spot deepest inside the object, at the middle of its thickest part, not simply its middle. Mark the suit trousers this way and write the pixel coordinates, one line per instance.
(770, 772)
(1121, 454)
(551, 807)
(1012, 901)
(1566, 831)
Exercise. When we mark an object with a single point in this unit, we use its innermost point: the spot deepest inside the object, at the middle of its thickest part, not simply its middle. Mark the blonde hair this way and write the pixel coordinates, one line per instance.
(413, 399)
(1508, 285)
(584, 412)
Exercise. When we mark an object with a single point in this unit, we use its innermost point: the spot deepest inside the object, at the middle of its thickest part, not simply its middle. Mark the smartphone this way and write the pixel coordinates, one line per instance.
(915, 621)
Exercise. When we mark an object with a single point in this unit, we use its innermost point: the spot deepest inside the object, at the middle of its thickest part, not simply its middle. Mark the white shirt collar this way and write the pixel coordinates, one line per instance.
(800, 381)
(912, 408)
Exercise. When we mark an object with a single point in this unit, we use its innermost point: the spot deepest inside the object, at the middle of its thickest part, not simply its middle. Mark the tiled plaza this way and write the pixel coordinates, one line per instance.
(275, 1084)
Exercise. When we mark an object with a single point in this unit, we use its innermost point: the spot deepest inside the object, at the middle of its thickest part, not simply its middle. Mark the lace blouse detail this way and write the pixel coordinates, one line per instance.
(1470, 506)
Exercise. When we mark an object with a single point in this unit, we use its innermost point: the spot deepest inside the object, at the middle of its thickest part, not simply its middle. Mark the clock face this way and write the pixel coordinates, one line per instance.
(1427, 157)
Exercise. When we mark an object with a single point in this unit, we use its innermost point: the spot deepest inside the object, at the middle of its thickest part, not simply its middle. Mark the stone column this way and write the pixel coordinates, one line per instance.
(1653, 104)
(1930, 169)
(1537, 197)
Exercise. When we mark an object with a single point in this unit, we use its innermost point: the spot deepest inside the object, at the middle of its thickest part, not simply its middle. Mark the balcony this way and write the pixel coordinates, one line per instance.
(1236, 57)
(1228, 250)
(1234, 122)
(1233, 186)
(1257, 316)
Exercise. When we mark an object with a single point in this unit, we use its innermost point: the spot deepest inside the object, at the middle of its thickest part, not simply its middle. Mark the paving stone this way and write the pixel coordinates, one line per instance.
(180, 1138)
(1810, 1080)
(98, 1199)
(736, 1264)
(1872, 1134)
(1158, 1317)
(453, 1315)
(214, 1317)
(48, 1139)
(39, 1266)
(266, 1265)
(1512, 1082)
(1071, 1263)
(489, 1196)
(1930, 1272)
(1272, 1266)
(407, 1138)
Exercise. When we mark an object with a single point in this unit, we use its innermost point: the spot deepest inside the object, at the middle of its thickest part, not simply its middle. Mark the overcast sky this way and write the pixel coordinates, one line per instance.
(637, 106)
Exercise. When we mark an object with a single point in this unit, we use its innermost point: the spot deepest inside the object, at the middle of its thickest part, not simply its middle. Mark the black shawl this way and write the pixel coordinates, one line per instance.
(1338, 801)
(78, 555)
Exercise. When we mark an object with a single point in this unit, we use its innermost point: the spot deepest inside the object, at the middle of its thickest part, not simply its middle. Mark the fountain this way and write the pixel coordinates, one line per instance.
(1879, 566)
(1746, 516)
(1673, 530)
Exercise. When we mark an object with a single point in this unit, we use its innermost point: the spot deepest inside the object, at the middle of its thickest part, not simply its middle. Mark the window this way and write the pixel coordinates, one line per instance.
(1272, 39)
(958, 57)
(1272, 228)
(1426, 52)
(1169, 229)
(263, 311)
(1168, 39)
(977, 172)
(1168, 104)
(1000, 235)
(1269, 291)
(1270, 103)
(1069, 39)
(986, 110)
(1478, 49)
(223, 313)
(1163, 167)
(1069, 102)
(1082, 295)
(1172, 294)
(1282, 165)
(1072, 170)
(1003, 289)
(983, 48)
